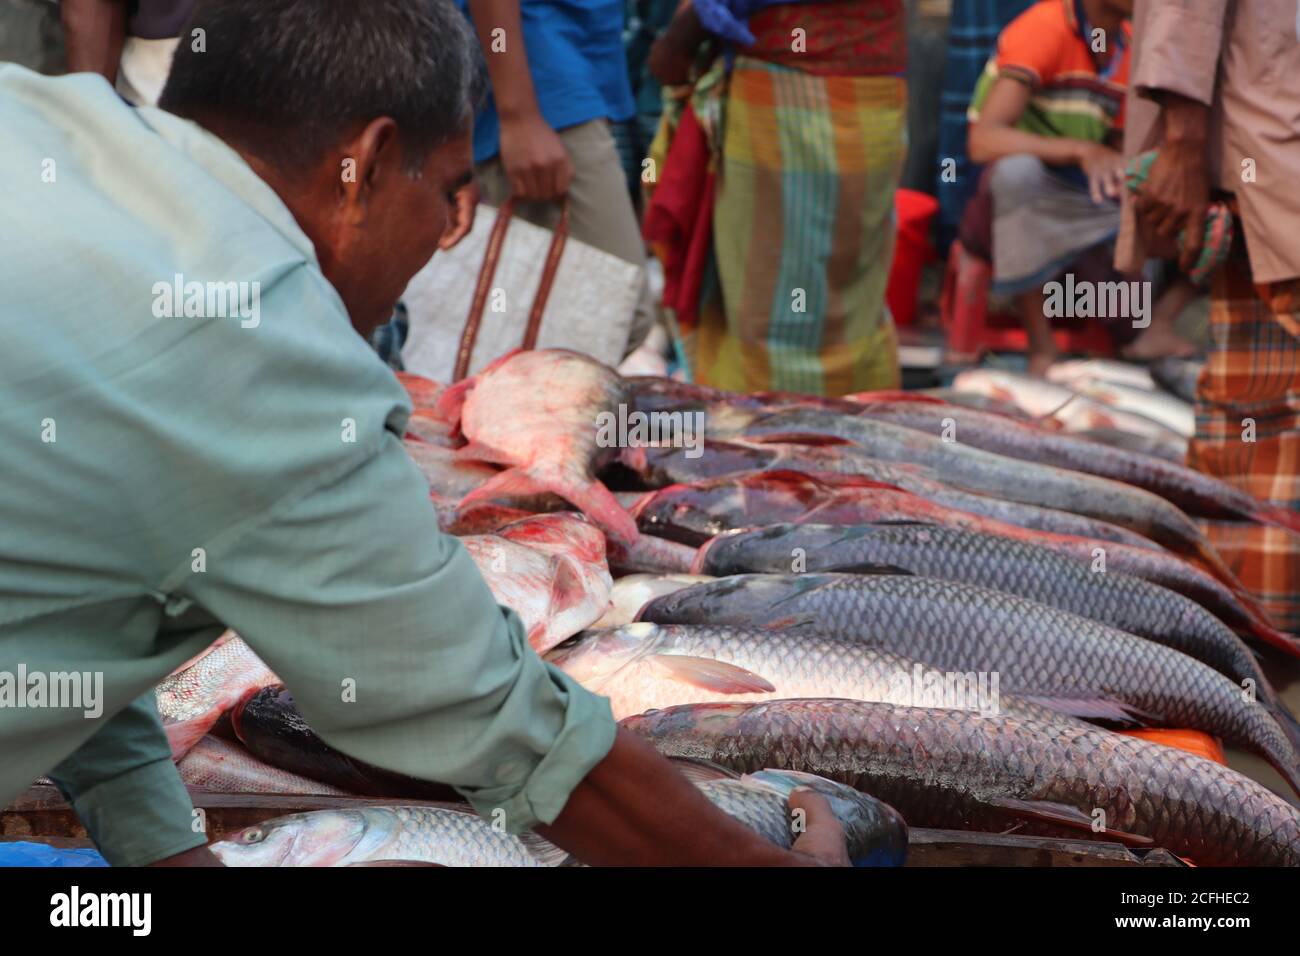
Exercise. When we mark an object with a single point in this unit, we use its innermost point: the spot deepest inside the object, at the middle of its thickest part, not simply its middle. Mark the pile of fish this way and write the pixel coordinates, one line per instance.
(965, 610)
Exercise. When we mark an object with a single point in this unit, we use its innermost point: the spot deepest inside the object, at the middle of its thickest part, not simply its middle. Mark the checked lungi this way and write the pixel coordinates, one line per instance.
(1250, 389)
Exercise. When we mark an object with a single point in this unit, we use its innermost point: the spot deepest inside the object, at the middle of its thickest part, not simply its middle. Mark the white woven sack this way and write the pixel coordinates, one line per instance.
(590, 308)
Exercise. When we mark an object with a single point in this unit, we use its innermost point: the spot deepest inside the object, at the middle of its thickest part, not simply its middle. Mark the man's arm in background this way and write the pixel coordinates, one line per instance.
(93, 33)
(1181, 43)
(536, 164)
(129, 795)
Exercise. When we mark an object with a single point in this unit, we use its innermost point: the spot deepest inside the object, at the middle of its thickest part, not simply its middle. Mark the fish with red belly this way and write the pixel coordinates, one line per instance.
(538, 415)
(548, 569)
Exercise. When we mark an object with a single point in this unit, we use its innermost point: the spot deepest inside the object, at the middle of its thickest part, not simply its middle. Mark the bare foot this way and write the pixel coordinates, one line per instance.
(1039, 363)
(1158, 341)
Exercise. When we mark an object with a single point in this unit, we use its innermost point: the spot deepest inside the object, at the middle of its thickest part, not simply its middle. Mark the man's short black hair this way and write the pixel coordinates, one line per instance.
(292, 76)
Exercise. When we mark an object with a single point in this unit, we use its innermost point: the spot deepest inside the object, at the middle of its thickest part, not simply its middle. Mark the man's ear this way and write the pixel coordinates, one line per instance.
(366, 159)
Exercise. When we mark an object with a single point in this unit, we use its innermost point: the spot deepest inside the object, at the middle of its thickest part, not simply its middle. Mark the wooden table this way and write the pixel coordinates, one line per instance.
(42, 815)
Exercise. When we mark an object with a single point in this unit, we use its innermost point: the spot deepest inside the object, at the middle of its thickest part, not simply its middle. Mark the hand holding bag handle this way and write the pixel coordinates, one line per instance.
(491, 258)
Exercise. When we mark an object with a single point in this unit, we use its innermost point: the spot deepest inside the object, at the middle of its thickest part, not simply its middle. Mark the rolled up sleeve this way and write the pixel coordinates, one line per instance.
(127, 792)
(1181, 42)
(394, 647)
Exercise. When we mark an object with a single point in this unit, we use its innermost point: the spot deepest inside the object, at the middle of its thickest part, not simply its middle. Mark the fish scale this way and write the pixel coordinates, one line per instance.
(1120, 600)
(956, 770)
(1041, 653)
(192, 699)
(663, 465)
(692, 513)
(453, 835)
(1197, 493)
(998, 476)
(624, 664)
(760, 801)
(447, 835)
(420, 830)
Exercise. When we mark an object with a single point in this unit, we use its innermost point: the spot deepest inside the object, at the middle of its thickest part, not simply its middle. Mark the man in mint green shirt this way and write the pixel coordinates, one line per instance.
(195, 435)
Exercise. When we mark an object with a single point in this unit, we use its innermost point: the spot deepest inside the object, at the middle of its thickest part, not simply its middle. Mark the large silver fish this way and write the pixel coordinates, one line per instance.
(1016, 567)
(645, 666)
(538, 413)
(448, 835)
(1051, 657)
(956, 770)
(453, 835)
(191, 700)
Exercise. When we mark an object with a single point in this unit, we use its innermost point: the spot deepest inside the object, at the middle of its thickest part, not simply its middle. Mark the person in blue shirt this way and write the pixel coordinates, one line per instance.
(559, 78)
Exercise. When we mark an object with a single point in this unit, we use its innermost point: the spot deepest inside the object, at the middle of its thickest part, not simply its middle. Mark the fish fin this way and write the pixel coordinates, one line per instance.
(867, 568)
(822, 479)
(597, 502)
(591, 498)
(1287, 721)
(712, 675)
(544, 851)
(1265, 633)
(511, 483)
(478, 451)
(1278, 517)
(698, 770)
(797, 438)
(1288, 772)
(792, 623)
(1096, 708)
(452, 402)
(184, 734)
(1062, 814)
(1062, 407)
(395, 863)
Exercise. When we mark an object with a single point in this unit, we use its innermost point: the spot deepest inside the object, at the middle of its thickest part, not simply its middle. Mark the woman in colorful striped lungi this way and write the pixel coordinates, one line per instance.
(803, 107)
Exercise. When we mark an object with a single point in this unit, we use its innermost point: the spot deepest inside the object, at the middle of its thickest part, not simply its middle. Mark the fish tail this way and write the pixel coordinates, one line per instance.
(183, 735)
(1266, 633)
(590, 497)
(1210, 561)
(1287, 721)
(1290, 773)
(1277, 517)
(1280, 751)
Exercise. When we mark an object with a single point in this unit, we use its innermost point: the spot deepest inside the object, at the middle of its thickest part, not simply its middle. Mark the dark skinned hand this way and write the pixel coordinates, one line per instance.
(822, 838)
(536, 164)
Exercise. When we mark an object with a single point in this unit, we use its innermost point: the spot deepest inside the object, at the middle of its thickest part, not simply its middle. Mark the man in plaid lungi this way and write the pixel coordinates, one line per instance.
(1216, 89)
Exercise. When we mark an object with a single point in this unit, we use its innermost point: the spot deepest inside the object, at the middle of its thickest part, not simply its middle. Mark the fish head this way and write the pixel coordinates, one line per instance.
(593, 657)
(320, 838)
(749, 599)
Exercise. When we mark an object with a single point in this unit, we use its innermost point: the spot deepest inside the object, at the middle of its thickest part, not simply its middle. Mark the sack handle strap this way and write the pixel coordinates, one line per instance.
(491, 259)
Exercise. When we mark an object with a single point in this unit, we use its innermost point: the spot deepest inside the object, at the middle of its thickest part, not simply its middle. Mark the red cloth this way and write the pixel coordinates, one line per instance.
(679, 219)
(840, 38)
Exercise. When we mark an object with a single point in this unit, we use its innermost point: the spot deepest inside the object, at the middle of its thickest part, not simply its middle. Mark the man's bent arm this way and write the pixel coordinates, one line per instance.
(635, 809)
(126, 790)
(398, 654)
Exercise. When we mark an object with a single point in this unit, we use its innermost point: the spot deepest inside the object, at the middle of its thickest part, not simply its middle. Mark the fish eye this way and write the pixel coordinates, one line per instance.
(255, 835)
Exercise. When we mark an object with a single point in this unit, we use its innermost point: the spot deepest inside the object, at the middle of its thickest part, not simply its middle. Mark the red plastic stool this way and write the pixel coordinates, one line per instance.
(971, 329)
